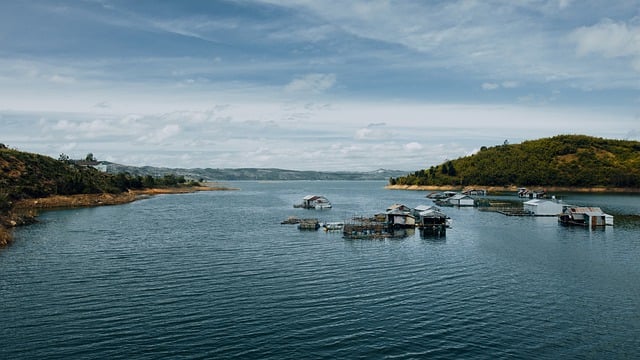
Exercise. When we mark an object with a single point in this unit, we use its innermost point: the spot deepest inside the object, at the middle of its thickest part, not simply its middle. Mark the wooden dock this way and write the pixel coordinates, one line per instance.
(508, 210)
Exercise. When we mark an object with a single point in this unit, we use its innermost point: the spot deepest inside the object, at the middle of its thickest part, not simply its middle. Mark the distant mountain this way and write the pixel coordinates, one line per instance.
(229, 174)
(563, 160)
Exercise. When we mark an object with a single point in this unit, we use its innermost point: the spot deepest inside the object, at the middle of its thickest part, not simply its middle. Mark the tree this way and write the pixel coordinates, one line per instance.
(451, 171)
(90, 158)
(148, 181)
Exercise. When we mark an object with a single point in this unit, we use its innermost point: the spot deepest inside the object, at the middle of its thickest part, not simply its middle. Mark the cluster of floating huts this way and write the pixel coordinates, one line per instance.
(395, 221)
(399, 220)
(538, 205)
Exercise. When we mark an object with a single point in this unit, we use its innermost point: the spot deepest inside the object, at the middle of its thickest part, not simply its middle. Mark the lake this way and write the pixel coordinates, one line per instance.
(214, 275)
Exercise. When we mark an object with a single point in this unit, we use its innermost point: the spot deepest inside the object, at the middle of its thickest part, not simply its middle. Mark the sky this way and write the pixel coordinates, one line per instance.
(312, 84)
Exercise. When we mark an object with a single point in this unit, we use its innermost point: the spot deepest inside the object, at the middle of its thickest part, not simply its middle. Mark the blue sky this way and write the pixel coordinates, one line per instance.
(324, 85)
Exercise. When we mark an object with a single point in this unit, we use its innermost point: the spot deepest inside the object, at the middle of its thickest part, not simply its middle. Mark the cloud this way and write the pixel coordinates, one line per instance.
(490, 86)
(313, 83)
(160, 135)
(510, 84)
(413, 146)
(102, 105)
(494, 86)
(61, 79)
(609, 39)
(563, 4)
(374, 131)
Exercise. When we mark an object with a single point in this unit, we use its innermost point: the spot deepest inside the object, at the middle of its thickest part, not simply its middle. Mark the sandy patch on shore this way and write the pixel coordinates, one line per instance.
(81, 200)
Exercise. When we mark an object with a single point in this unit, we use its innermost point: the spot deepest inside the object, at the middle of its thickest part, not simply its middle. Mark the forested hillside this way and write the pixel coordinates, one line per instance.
(26, 175)
(563, 160)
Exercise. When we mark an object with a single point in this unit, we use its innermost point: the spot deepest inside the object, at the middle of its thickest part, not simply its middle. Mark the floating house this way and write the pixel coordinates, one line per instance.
(584, 216)
(400, 216)
(531, 194)
(397, 221)
(441, 195)
(460, 200)
(431, 220)
(475, 192)
(314, 202)
(399, 207)
(541, 207)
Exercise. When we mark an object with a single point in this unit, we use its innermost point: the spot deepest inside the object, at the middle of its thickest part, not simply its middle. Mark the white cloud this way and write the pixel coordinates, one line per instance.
(563, 4)
(329, 139)
(494, 86)
(61, 79)
(158, 106)
(413, 146)
(490, 86)
(609, 39)
(313, 83)
(375, 131)
(161, 135)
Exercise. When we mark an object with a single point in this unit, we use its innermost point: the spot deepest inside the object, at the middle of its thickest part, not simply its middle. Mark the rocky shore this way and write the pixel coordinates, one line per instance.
(24, 212)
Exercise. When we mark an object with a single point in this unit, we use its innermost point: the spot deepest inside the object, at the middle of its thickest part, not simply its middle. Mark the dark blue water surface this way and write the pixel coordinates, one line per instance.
(214, 275)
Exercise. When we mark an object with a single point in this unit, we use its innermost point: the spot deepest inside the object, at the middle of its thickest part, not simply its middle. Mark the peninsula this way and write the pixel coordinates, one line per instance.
(559, 163)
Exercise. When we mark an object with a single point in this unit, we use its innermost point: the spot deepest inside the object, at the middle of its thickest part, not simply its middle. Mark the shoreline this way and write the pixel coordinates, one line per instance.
(102, 199)
(513, 188)
(24, 212)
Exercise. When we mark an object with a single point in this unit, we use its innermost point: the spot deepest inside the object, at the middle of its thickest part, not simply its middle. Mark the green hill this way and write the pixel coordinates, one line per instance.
(26, 175)
(563, 160)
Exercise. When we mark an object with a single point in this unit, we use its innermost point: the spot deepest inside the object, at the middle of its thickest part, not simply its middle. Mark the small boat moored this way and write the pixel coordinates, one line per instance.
(332, 226)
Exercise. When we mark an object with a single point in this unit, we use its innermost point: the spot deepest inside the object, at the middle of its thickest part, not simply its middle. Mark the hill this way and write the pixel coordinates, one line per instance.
(230, 174)
(26, 176)
(563, 160)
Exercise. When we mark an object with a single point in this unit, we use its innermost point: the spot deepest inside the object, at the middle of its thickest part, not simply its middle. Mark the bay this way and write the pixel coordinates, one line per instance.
(215, 275)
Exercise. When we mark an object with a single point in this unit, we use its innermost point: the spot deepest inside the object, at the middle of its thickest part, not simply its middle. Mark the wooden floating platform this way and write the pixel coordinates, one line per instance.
(507, 210)
(515, 212)
(309, 224)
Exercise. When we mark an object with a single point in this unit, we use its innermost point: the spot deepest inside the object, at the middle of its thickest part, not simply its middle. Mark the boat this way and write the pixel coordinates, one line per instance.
(317, 202)
(441, 195)
(331, 226)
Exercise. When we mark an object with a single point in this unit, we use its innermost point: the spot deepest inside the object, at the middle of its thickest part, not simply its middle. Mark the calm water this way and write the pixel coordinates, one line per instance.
(214, 275)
